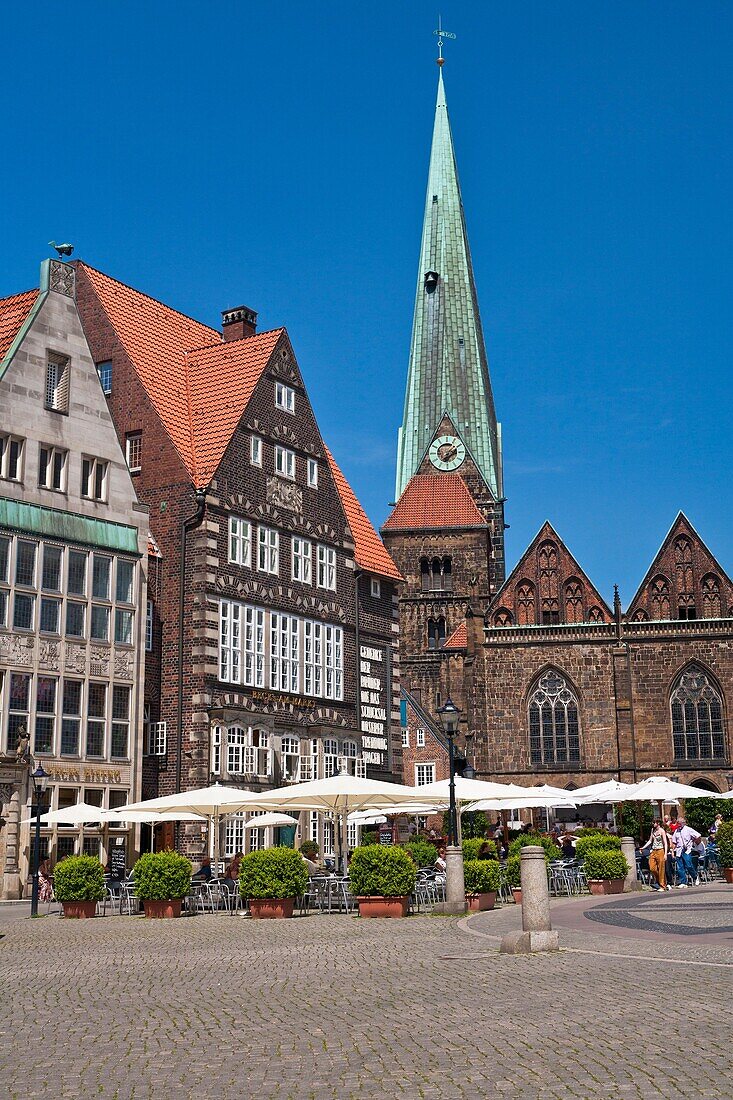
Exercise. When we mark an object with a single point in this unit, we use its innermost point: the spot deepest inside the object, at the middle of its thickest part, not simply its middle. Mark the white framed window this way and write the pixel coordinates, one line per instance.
(285, 462)
(52, 468)
(330, 757)
(328, 837)
(11, 457)
(57, 382)
(314, 827)
(352, 834)
(284, 397)
(216, 750)
(233, 834)
(375, 588)
(326, 568)
(157, 738)
(254, 646)
(255, 450)
(334, 662)
(93, 478)
(301, 560)
(424, 774)
(134, 451)
(104, 370)
(290, 758)
(405, 739)
(241, 643)
(257, 837)
(268, 550)
(149, 626)
(313, 644)
(230, 659)
(420, 737)
(284, 652)
(312, 473)
(123, 626)
(260, 753)
(236, 742)
(240, 541)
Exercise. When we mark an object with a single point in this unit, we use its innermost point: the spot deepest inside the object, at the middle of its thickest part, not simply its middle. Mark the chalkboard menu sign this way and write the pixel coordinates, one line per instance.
(118, 861)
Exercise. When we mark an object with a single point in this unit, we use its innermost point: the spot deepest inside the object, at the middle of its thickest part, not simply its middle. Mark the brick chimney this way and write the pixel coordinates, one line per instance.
(238, 323)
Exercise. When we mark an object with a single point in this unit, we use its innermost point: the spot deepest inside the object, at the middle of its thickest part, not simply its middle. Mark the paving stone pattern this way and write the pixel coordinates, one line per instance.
(337, 1007)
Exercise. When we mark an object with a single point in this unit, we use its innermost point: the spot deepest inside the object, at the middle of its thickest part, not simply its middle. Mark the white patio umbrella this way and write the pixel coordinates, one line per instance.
(264, 821)
(79, 814)
(148, 817)
(658, 788)
(359, 817)
(535, 798)
(467, 790)
(727, 796)
(611, 790)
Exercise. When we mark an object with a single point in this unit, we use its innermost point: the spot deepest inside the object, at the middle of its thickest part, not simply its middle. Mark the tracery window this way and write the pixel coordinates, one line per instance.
(503, 617)
(595, 615)
(550, 612)
(698, 731)
(640, 616)
(436, 632)
(659, 598)
(526, 614)
(711, 597)
(554, 736)
(573, 601)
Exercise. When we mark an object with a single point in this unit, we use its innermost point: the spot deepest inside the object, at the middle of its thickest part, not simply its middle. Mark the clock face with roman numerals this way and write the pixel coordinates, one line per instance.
(447, 452)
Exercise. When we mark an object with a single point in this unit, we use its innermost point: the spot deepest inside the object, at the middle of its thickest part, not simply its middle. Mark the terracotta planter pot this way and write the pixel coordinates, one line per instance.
(478, 903)
(155, 910)
(728, 875)
(606, 885)
(382, 907)
(79, 909)
(271, 908)
(517, 892)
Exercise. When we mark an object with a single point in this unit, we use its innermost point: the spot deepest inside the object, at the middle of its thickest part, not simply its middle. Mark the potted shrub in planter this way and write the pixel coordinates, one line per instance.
(271, 881)
(605, 869)
(481, 877)
(382, 879)
(513, 874)
(162, 880)
(551, 849)
(594, 841)
(78, 883)
(478, 848)
(724, 840)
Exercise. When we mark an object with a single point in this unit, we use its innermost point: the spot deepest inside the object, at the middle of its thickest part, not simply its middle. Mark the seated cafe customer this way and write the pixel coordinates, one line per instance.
(204, 873)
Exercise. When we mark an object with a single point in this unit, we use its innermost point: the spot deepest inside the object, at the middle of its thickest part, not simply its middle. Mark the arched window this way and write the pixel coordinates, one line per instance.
(659, 598)
(503, 617)
(436, 632)
(640, 616)
(711, 596)
(595, 615)
(436, 574)
(425, 574)
(554, 737)
(573, 601)
(697, 717)
(526, 614)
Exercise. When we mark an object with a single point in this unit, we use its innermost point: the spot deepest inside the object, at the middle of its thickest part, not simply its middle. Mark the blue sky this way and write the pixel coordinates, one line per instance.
(276, 155)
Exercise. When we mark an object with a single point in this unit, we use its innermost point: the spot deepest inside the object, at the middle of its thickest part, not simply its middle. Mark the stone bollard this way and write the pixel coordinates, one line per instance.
(536, 934)
(455, 890)
(631, 882)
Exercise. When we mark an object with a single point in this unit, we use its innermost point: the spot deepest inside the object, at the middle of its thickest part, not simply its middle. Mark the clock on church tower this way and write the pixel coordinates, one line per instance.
(447, 452)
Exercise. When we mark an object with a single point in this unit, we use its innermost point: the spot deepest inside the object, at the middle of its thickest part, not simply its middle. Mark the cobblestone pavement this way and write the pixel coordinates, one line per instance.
(337, 1007)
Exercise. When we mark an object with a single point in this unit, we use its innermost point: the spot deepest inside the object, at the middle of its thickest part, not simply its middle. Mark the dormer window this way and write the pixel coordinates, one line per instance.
(57, 383)
(284, 397)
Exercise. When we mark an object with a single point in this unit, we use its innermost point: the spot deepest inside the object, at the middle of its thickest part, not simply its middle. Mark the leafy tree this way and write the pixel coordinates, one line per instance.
(630, 812)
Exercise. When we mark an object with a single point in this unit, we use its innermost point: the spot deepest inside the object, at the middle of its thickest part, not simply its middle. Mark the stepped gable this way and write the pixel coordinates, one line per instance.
(547, 587)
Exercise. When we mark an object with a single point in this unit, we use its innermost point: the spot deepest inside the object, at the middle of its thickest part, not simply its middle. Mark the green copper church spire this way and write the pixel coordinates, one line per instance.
(448, 371)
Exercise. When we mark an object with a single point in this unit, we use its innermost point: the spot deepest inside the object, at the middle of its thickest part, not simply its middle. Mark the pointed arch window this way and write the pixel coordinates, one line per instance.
(436, 632)
(640, 616)
(526, 613)
(659, 598)
(547, 561)
(554, 736)
(503, 617)
(595, 615)
(711, 596)
(698, 731)
(573, 601)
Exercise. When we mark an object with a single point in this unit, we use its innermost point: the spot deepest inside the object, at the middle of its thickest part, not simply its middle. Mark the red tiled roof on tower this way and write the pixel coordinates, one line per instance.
(370, 552)
(435, 500)
(13, 312)
(198, 383)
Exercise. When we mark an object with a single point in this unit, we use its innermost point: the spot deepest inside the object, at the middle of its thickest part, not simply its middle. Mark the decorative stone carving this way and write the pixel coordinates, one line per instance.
(123, 666)
(62, 278)
(284, 494)
(6, 792)
(16, 650)
(99, 661)
(76, 658)
(48, 654)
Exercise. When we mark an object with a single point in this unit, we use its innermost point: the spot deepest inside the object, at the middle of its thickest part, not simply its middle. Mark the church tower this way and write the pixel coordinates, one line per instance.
(446, 531)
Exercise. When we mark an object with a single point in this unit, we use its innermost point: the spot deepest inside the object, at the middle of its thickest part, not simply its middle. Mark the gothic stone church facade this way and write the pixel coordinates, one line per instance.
(554, 685)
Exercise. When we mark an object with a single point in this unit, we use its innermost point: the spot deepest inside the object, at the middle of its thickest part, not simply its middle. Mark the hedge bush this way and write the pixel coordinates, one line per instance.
(162, 876)
(524, 839)
(594, 841)
(381, 871)
(273, 873)
(79, 878)
(514, 870)
(421, 852)
(724, 840)
(309, 849)
(472, 849)
(369, 836)
(605, 863)
(481, 876)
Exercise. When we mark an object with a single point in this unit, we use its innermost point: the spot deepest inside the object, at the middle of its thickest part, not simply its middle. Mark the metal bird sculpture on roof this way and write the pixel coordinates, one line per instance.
(62, 249)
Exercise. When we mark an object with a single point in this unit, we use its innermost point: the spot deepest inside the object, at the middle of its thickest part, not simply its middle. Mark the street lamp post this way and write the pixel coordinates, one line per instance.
(455, 893)
(38, 777)
(729, 780)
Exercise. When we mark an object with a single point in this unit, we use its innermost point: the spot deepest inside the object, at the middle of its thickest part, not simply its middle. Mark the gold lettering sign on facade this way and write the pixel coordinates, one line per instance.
(83, 774)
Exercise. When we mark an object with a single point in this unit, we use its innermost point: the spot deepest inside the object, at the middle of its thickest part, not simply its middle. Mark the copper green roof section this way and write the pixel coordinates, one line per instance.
(448, 370)
(32, 519)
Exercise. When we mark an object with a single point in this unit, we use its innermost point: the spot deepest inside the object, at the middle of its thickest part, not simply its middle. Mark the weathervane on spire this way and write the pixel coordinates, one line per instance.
(440, 60)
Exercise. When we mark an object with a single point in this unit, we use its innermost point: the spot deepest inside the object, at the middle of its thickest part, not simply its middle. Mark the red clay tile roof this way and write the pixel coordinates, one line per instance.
(458, 639)
(370, 553)
(435, 500)
(13, 312)
(198, 383)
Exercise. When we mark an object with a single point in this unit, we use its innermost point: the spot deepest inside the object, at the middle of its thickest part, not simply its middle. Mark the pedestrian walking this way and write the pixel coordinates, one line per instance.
(684, 839)
(658, 844)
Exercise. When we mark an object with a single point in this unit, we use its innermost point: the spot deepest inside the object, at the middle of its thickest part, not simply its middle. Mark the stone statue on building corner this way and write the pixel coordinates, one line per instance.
(22, 749)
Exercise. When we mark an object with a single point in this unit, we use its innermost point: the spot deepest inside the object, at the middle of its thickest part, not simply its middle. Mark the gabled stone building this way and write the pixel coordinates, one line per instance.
(73, 546)
(273, 624)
